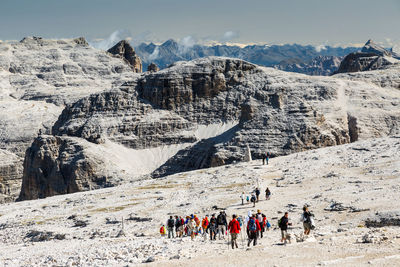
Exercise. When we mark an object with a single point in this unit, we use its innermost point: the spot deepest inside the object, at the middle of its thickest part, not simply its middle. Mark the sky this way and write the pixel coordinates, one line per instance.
(328, 22)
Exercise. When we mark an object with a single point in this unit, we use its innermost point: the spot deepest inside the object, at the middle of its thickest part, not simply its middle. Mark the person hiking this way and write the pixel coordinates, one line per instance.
(162, 230)
(182, 226)
(221, 222)
(248, 199)
(253, 199)
(264, 157)
(246, 222)
(240, 220)
(283, 224)
(191, 228)
(204, 226)
(170, 226)
(253, 227)
(242, 197)
(257, 191)
(197, 221)
(213, 227)
(267, 193)
(177, 225)
(234, 230)
(268, 155)
(259, 219)
(307, 220)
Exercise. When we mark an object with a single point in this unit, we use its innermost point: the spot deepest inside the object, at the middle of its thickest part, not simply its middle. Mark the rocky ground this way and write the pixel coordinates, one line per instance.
(352, 190)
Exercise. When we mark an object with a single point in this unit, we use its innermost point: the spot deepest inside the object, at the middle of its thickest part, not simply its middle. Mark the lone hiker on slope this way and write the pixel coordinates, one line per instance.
(283, 224)
(234, 230)
(267, 194)
(307, 220)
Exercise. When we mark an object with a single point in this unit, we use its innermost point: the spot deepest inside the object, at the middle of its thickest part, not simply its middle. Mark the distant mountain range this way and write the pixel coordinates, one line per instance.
(306, 59)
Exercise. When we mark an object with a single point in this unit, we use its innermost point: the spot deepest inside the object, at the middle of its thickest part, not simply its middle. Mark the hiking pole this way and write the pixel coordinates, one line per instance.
(241, 234)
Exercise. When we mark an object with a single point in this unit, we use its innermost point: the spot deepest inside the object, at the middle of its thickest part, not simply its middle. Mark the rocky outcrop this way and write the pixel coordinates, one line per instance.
(124, 50)
(38, 77)
(320, 65)
(371, 57)
(153, 67)
(56, 165)
(188, 103)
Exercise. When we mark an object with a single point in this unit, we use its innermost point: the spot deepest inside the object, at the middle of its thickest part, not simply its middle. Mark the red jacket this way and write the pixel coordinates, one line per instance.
(257, 225)
(234, 227)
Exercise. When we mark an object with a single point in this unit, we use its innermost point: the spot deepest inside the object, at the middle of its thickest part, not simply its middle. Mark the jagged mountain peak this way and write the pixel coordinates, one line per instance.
(371, 47)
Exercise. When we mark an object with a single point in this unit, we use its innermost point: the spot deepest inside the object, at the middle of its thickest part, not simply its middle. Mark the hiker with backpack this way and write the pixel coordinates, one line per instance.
(283, 224)
(257, 191)
(191, 225)
(177, 225)
(264, 157)
(234, 230)
(253, 199)
(259, 219)
(246, 222)
(162, 230)
(170, 227)
(213, 227)
(253, 227)
(307, 220)
(204, 226)
(221, 222)
(268, 155)
(267, 194)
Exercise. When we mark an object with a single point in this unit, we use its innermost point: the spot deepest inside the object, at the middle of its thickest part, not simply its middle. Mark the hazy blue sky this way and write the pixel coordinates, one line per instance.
(278, 21)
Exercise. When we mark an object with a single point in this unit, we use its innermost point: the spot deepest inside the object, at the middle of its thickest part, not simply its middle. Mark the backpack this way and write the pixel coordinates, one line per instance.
(240, 221)
(280, 223)
(171, 223)
(252, 225)
(247, 198)
(253, 199)
(220, 219)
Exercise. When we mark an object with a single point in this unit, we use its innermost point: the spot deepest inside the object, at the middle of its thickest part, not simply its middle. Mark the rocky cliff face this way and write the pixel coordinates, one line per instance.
(371, 57)
(205, 112)
(321, 65)
(38, 77)
(124, 50)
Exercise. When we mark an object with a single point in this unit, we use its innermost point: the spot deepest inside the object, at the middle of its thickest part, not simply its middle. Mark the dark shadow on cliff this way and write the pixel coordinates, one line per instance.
(198, 156)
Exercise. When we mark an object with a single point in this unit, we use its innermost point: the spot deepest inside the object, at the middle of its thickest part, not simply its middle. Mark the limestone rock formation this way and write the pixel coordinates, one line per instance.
(153, 67)
(320, 65)
(38, 77)
(205, 112)
(371, 57)
(124, 50)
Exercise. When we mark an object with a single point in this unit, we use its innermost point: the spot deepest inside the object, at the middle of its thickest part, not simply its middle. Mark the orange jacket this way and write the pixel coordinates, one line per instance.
(205, 223)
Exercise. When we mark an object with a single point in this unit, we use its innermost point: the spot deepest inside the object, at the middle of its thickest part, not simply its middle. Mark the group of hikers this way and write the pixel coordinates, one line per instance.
(255, 196)
(255, 225)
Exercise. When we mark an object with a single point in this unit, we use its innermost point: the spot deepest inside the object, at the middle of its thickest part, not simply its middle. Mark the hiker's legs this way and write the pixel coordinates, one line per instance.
(242, 201)
(169, 232)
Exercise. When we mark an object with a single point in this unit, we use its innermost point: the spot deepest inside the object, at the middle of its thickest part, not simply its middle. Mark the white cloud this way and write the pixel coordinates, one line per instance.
(318, 48)
(111, 40)
(186, 43)
(230, 35)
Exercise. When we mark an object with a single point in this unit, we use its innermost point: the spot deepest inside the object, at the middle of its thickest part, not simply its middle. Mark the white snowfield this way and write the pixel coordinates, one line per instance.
(344, 186)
